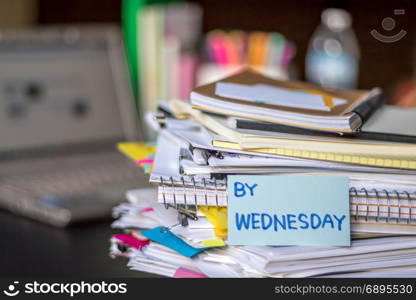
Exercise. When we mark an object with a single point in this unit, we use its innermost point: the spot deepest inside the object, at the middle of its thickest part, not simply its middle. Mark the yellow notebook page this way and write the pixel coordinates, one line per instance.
(344, 158)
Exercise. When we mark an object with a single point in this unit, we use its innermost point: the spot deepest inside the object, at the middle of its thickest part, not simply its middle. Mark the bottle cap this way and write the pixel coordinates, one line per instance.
(336, 19)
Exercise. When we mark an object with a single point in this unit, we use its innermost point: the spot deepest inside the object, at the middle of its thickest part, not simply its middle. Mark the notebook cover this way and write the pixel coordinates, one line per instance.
(375, 136)
(344, 158)
(248, 77)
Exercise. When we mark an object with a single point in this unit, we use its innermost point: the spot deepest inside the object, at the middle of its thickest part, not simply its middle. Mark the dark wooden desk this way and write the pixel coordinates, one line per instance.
(32, 249)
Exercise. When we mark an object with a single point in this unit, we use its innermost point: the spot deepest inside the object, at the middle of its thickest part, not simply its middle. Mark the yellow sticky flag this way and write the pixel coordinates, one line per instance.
(221, 232)
(328, 98)
(218, 217)
(218, 242)
(136, 151)
(325, 96)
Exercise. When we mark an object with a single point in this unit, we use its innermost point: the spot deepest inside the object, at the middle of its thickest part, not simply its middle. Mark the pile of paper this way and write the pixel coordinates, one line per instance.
(203, 253)
(329, 205)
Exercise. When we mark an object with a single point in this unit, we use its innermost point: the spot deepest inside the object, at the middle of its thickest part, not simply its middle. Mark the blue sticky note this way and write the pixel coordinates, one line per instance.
(165, 237)
(288, 210)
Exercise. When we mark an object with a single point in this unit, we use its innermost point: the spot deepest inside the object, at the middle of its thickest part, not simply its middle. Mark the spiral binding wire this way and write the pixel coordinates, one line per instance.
(183, 210)
(388, 205)
(410, 207)
(352, 190)
(398, 203)
(164, 193)
(174, 193)
(378, 207)
(184, 192)
(206, 192)
(376, 195)
(196, 201)
(216, 191)
(389, 197)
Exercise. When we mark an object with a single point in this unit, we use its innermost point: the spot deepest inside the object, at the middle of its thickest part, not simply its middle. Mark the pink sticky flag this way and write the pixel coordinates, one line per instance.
(288, 53)
(219, 49)
(187, 273)
(147, 209)
(131, 241)
(145, 161)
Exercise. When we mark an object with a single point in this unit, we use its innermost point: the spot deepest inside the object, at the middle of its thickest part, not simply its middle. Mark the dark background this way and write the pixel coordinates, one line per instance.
(32, 249)
(381, 64)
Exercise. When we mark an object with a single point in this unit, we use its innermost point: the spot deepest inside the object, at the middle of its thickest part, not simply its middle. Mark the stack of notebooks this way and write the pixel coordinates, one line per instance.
(250, 124)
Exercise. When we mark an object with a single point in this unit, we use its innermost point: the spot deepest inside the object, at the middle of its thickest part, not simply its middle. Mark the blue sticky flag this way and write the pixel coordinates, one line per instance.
(165, 237)
(280, 210)
(147, 168)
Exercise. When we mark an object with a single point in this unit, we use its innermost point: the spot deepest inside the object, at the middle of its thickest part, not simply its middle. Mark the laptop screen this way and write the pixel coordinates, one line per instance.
(56, 92)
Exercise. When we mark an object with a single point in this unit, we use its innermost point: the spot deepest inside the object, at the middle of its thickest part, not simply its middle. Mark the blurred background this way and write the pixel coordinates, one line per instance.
(380, 65)
(78, 76)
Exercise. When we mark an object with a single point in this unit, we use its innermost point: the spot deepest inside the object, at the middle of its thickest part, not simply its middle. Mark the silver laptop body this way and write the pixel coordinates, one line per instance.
(65, 100)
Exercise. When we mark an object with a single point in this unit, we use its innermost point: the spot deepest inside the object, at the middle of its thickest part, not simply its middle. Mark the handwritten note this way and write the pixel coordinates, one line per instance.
(288, 210)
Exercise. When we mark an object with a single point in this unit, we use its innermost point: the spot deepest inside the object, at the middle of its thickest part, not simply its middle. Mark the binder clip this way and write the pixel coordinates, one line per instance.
(160, 119)
(183, 211)
(182, 221)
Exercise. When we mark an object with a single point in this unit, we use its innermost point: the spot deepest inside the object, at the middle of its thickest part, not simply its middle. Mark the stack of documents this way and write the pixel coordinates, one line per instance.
(238, 197)
(203, 251)
(253, 96)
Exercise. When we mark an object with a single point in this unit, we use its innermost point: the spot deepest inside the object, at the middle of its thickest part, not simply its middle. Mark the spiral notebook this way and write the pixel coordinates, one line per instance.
(251, 95)
(373, 197)
(365, 203)
(368, 153)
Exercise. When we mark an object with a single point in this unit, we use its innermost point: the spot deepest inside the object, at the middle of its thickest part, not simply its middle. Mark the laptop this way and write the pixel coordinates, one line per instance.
(65, 101)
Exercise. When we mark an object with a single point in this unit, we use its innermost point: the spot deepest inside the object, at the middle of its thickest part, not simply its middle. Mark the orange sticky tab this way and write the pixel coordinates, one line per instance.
(325, 96)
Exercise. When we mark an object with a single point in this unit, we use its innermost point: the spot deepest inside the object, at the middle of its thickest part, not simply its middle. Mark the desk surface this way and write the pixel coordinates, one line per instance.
(32, 249)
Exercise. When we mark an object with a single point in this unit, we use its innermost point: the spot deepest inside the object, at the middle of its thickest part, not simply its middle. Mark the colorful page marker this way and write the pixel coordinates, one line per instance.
(148, 169)
(260, 48)
(136, 151)
(218, 47)
(237, 37)
(288, 210)
(288, 53)
(218, 242)
(131, 241)
(147, 209)
(165, 237)
(231, 50)
(145, 161)
(222, 233)
(218, 217)
(138, 235)
(186, 273)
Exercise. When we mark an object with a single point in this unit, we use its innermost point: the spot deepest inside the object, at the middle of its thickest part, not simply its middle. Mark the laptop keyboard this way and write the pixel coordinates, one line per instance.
(68, 175)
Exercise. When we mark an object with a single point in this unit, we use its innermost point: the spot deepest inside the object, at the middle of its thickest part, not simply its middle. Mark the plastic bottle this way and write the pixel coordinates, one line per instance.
(333, 55)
